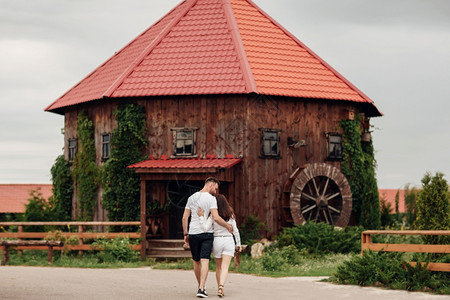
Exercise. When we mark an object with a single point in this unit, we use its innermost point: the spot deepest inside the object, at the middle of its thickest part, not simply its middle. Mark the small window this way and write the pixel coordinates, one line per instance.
(72, 149)
(106, 146)
(334, 146)
(270, 143)
(184, 141)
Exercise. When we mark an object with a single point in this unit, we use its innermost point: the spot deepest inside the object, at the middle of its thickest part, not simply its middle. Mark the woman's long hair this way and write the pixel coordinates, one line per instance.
(225, 210)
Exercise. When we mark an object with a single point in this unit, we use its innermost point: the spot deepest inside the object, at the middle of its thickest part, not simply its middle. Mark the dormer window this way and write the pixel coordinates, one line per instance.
(184, 141)
(72, 149)
(334, 146)
(270, 143)
(106, 146)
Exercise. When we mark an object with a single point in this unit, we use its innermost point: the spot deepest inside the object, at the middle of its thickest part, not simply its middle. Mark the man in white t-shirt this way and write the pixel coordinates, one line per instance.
(200, 241)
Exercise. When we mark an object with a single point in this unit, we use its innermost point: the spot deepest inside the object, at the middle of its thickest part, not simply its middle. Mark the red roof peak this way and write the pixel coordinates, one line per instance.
(214, 47)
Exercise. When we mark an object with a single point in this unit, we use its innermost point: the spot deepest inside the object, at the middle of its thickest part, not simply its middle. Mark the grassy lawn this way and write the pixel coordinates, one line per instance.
(306, 266)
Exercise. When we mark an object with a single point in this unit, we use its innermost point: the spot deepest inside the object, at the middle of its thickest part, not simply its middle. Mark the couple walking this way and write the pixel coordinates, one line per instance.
(212, 228)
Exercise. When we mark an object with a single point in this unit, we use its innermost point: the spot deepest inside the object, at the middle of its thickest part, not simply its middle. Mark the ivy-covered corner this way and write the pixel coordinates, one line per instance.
(62, 189)
(86, 173)
(121, 186)
(359, 165)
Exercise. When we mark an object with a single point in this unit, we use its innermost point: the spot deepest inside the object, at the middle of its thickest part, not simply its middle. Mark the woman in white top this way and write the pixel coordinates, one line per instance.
(224, 243)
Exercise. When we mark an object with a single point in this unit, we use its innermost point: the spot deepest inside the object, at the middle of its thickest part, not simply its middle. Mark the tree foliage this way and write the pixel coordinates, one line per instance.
(411, 203)
(62, 189)
(433, 208)
(85, 170)
(359, 166)
(37, 209)
(121, 186)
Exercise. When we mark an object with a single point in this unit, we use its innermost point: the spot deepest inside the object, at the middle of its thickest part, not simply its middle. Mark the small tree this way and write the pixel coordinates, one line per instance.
(410, 197)
(386, 212)
(433, 209)
(37, 209)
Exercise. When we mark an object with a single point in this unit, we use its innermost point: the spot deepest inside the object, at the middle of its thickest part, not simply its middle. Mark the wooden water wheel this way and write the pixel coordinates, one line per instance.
(321, 193)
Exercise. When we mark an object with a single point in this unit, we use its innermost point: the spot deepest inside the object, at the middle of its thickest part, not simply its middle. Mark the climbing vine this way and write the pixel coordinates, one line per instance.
(85, 171)
(121, 186)
(62, 189)
(358, 166)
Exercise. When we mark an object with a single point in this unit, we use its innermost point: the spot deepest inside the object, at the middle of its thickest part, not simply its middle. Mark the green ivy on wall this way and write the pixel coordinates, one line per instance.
(358, 165)
(62, 189)
(121, 186)
(85, 171)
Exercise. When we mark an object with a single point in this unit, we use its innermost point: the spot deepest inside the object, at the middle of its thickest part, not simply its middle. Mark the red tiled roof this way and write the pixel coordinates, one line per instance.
(14, 197)
(214, 47)
(168, 165)
(390, 194)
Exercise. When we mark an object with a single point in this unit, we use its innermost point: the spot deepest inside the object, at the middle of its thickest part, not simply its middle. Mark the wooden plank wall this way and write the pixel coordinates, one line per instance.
(228, 124)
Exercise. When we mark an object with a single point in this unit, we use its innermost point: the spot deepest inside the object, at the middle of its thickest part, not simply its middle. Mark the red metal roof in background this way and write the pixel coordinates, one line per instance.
(187, 163)
(214, 47)
(14, 197)
(390, 194)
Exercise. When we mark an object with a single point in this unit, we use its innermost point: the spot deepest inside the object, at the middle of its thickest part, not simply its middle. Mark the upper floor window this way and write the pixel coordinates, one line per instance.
(72, 149)
(270, 142)
(184, 141)
(106, 146)
(334, 146)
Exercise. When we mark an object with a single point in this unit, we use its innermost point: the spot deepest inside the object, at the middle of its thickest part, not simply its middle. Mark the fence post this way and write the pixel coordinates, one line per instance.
(20, 229)
(80, 239)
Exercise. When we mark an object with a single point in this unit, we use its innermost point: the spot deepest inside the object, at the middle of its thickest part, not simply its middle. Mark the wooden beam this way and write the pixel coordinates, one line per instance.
(409, 232)
(420, 248)
(127, 223)
(439, 267)
(80, 235)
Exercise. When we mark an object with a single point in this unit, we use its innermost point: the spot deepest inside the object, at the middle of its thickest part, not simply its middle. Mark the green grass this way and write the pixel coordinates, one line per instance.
(71, 260)
(307, 266)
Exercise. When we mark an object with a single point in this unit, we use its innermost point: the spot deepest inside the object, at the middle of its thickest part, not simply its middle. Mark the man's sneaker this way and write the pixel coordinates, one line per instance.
(202, 294)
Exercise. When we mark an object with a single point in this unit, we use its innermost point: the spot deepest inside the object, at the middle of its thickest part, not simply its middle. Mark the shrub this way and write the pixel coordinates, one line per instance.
(321, 238)
(253, 229)
(388, 269)
(277, 259)
(117, 249)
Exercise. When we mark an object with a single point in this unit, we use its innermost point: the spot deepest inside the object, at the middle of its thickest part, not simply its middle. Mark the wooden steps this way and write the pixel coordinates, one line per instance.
(162, 248)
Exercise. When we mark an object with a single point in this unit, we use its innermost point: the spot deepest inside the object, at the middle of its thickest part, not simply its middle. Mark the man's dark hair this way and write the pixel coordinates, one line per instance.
(212, 179)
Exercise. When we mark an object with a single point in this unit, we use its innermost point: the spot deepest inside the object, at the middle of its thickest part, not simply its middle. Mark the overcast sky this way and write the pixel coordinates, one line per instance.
(396, 51)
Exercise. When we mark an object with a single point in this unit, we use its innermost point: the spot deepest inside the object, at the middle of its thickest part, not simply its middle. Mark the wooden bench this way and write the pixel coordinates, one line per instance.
(29, 243)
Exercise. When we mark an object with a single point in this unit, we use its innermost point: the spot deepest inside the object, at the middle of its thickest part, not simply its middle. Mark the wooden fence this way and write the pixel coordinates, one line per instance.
(81, 234)
(366, 244)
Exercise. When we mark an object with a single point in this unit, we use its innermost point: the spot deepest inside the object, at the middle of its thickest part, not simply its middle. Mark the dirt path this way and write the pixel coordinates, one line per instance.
(146, 283)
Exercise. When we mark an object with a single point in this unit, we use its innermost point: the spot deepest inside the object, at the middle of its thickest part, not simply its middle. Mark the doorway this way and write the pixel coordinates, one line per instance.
(178, 192)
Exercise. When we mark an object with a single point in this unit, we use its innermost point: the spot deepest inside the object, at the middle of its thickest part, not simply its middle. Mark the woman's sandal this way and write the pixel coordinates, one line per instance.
(220, 291)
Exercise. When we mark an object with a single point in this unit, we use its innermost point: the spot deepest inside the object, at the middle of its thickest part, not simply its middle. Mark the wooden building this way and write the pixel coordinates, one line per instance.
(229, 93)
